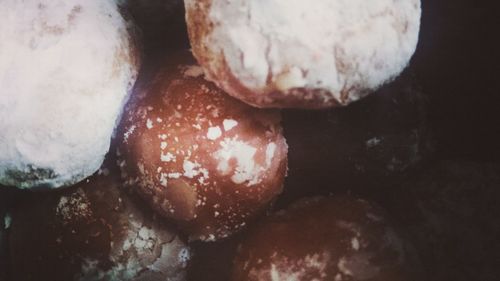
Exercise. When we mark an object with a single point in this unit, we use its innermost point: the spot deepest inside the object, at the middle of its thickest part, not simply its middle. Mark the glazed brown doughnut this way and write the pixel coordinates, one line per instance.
(93, 231)
(325, 239)
(200, 157)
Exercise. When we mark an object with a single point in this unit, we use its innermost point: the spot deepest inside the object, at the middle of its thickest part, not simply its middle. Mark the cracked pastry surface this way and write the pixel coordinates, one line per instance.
(93, 231)
(302, 54)
(66, 68)
(200, 157)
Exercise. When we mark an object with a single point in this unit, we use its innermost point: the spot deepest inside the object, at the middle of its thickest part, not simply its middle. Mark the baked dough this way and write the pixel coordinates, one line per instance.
(306, 54)
(66, 68)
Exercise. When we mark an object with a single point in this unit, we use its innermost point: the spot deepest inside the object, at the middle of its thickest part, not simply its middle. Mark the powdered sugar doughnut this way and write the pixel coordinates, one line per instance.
(200, 157)
(65, 68)
(283, 53)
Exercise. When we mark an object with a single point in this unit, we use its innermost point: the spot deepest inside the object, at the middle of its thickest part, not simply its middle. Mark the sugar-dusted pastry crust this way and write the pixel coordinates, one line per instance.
(299, 53)
(66, 68)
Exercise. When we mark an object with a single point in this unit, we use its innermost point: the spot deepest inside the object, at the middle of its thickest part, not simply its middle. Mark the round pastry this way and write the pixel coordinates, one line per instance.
(451, 212)
(325, 239)
(302, 54)
(93, 231)
(200, 157)
(366, 147)
(66, 68)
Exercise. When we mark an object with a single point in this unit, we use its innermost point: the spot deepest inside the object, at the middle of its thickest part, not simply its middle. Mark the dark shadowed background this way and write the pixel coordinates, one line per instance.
(458, 63)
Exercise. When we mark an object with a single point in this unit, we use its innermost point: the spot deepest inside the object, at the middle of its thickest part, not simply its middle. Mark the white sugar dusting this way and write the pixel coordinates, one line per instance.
(271, 148)
(214, 133)
(140, 166)
(193, 71)
(74, 206)
(373, 142)
(355, 243)
(275, 275)
(193, 169)
(281, 268)
(66, 71)
(141, 241)
(142, 250)
(129, 132)
(167, 157)
(342, 266)
(7, 220)
(189, 168)
(164, 179)
(246, 169)
(149, 124)
(174, 175)
(269, 46)
(229, 124)
(163, 145)
(374, 217)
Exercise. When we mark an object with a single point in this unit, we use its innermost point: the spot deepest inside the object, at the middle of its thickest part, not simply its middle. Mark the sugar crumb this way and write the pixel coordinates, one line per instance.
(214, 133)
(229, 124)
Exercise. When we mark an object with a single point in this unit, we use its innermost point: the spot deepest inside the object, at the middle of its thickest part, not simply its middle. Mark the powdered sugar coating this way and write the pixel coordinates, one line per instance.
(212, 163)
(293, 53)
(66, 68)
